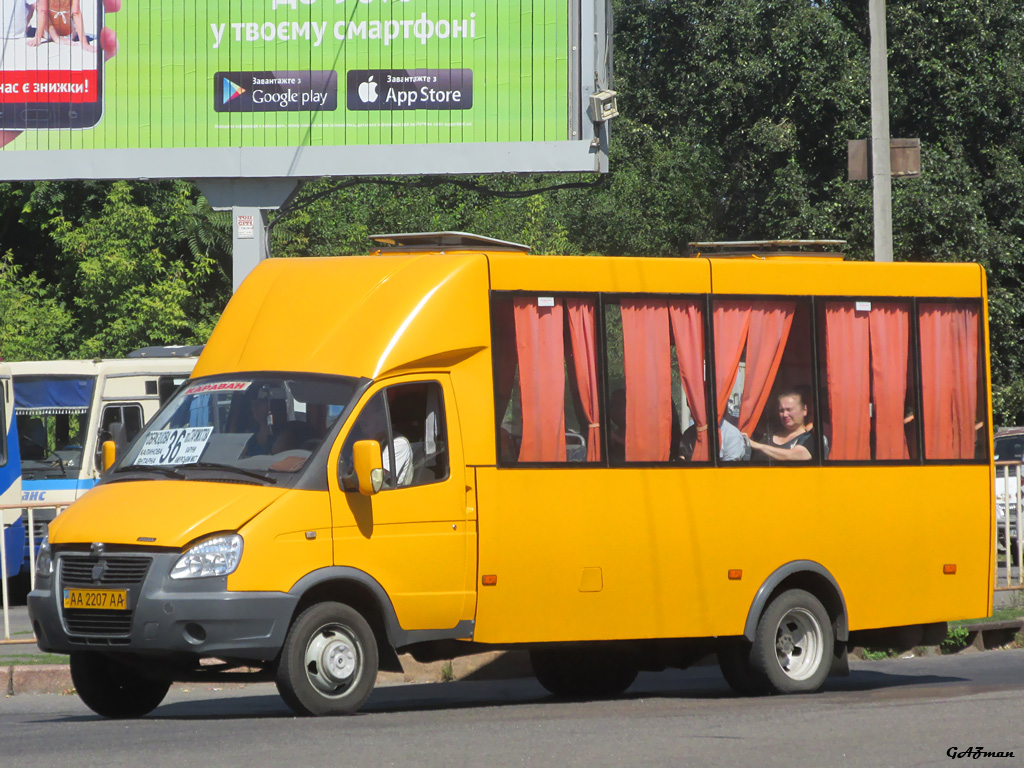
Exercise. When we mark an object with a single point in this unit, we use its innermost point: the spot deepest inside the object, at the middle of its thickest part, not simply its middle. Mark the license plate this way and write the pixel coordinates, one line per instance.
(97, 599)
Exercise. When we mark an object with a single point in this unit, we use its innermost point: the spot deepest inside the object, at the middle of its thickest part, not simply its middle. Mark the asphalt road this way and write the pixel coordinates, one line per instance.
(890, 713)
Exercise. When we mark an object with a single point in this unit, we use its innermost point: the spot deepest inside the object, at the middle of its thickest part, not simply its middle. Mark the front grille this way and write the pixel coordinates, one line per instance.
(40, 521)
(124, 572)
(120, 571)
(84, 622)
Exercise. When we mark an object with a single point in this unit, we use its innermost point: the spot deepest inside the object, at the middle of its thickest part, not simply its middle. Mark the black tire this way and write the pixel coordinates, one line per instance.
(734, 661)
(329, 661)
(793, 645)
(583, 673)
(115, 689)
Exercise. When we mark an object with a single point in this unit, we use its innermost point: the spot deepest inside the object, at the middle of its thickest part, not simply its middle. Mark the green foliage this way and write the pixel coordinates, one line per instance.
(735, 120)
(956, 640)
(447, 672)
(33, 324)
(879, 654)
(116, 266)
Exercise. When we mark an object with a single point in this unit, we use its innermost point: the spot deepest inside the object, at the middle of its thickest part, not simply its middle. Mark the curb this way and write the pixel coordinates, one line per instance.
(493, 665)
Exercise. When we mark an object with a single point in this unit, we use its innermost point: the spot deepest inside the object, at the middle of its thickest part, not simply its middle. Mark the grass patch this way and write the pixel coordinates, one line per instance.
(956, 640)
(1000, 614)
(447, 672)
(878, 655)
(21, 659)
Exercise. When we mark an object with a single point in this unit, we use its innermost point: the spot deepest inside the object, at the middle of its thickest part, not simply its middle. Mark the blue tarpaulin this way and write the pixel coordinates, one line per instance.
(53, 395)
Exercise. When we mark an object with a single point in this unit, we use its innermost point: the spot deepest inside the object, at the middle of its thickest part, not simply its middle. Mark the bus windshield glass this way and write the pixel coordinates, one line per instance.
(53, 418)
(261, 424)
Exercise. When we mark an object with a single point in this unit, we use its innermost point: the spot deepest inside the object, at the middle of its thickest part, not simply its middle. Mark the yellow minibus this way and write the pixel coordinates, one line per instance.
(618, 464)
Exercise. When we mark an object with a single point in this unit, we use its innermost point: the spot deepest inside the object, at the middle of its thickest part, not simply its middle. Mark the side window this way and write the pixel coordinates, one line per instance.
(656, 404)
(952, 381)
(868, 371)
(167, 386)
(764, 382)
(129, 416)
(408, 421)
(546, 381)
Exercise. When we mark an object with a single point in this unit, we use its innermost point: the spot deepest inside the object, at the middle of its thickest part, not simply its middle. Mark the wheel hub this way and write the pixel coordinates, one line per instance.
(332, 659)
(799, 644)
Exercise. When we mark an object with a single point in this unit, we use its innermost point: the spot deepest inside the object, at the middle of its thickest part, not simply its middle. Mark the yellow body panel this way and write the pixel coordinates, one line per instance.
(665, 539)
(591, 274)
(160, 512)
(286, 541)
(832, 277)
(358, 316)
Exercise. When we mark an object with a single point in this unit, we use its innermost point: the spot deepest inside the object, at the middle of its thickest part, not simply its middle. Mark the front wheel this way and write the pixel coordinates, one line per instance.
(114, 689)
(793, 645)
(329, 661)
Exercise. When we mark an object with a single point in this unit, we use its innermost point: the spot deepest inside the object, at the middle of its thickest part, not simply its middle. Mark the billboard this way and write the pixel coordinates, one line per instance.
(298, 88)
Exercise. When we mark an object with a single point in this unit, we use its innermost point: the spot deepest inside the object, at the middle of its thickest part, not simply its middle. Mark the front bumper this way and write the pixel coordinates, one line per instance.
(196, 617)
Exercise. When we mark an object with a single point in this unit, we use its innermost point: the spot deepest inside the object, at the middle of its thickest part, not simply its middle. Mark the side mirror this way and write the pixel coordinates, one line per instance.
(109, 449)
(368, 465)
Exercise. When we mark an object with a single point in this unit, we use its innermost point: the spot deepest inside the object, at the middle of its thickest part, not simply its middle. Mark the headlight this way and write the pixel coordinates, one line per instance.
(44, 558)
(218, 556)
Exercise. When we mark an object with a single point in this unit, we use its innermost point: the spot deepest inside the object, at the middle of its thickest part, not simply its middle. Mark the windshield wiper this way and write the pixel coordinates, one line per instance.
(167, 471)
(228, 468)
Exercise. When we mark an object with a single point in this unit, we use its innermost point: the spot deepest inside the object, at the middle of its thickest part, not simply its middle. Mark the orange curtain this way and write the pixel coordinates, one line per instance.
(647, 363)
(890, 344)
(732, 321)
(582, 328)
(949, 379)
(541, 379)
(688, 329)
(847, 352)
(770, 322)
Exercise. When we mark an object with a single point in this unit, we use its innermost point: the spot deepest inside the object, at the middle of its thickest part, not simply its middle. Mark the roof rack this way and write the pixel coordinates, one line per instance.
(189, 350)
(775, 248)
(446, 240)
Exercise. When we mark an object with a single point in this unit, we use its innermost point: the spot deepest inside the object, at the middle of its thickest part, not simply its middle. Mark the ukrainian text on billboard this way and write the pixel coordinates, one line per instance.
(287, 73)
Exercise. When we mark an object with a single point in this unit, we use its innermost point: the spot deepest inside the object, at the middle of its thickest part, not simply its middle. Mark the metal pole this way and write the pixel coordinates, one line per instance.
(880, 166)
(249, 241)
(31, 548)
(3, 580)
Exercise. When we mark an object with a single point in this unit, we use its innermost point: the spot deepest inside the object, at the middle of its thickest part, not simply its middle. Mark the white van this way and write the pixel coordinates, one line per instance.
(65, 409)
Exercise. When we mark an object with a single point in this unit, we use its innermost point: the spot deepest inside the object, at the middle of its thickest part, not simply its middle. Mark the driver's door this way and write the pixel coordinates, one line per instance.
(417, 535)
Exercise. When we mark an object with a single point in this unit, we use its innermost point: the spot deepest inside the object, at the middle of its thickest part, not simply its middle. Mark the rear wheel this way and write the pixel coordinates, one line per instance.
(115, 689)
(329, 661)
(583, 673)
(794, 643)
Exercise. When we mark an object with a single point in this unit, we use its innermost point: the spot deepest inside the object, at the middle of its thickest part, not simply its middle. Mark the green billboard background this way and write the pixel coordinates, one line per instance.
(159, 89)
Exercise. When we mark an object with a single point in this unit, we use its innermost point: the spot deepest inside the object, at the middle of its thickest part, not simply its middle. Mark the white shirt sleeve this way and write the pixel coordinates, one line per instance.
(403, 454)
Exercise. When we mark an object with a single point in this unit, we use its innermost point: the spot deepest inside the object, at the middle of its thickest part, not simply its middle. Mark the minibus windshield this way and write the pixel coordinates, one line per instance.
(250, 425)
(53, 419)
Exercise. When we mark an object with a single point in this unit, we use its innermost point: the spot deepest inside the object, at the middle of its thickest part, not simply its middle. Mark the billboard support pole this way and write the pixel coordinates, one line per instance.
(248, 241)
(248, 200)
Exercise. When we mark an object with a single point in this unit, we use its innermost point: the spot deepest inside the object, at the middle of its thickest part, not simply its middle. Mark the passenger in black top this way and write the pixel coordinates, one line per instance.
(795, 441)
